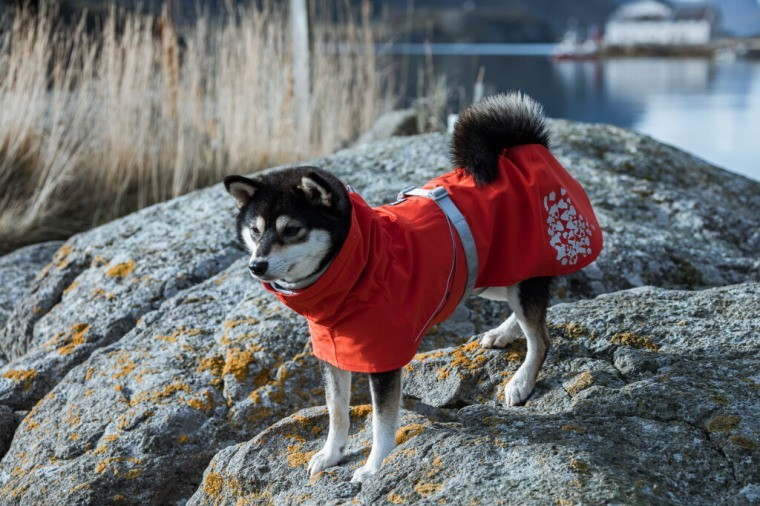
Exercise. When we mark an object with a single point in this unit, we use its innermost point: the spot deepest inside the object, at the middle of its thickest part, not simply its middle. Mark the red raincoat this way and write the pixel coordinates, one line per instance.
(402, 268)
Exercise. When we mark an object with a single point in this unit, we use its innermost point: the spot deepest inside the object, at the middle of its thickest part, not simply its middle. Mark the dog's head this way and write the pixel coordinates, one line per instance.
(292, 221)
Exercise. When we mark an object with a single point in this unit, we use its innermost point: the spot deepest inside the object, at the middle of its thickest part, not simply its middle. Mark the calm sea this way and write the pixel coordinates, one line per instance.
(709, 108)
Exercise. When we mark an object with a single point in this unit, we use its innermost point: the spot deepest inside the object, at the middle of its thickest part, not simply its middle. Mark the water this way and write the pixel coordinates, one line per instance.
(709, 108)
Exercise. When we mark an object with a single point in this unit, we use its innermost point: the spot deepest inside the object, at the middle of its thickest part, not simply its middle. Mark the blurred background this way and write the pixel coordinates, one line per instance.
(106, 107)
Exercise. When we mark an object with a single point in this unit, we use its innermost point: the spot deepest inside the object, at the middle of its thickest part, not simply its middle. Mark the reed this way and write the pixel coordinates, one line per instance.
(96, 125)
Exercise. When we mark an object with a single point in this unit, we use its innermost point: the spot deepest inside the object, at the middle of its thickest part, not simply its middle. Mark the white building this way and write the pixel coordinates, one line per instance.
(653, 23)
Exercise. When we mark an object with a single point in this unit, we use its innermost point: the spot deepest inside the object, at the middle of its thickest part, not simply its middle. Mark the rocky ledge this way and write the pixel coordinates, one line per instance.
(142, 366)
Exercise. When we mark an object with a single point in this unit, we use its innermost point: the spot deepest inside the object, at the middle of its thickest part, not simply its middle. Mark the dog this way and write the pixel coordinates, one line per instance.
(372, 281)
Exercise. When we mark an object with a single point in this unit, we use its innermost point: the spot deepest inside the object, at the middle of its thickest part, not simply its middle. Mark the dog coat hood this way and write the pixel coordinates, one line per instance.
(402, 267)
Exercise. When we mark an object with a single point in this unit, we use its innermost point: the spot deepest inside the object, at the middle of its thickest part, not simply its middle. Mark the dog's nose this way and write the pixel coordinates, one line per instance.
(258, 267)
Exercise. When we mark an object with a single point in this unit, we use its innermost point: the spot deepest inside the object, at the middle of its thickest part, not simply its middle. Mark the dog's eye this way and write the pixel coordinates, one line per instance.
(255, 231)
(290, 231)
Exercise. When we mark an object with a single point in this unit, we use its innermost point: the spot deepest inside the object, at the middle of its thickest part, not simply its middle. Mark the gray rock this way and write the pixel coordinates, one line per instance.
(678, 424)
(142, 350)
(394, 123)
(19, 270)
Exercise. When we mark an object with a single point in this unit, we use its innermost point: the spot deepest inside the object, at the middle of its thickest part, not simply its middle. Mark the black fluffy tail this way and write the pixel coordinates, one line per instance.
(497, 122)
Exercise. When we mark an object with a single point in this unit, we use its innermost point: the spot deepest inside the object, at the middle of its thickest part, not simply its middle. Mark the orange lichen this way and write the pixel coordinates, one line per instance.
(296, 459)
(99, 293)
(154, 396)
(634, 341)
(581, 382)
(462, 360)
(70, 288)
(361, 411)
(124, 364)
(114, 462)
(25, 376)
(427, 489)
(76, 338)
(237, 362)
(173, 337)
(213, 364)
(206, 404)
(183, 438)
(395, 499)
(231, 324)
(212, 485)
(409, 431)
(60, 259)
(121, 270)
(574, 428)
(572, 330)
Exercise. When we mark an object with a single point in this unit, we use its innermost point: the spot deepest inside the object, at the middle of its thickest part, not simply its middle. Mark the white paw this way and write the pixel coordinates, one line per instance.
(494, 339)
(363, 473)
(517, 391)
(322, 460)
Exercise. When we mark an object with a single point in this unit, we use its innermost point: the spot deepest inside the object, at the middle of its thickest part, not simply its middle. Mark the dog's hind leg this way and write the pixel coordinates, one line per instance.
(529, 300)
(338, 394)
(508, 331)
(386, 399)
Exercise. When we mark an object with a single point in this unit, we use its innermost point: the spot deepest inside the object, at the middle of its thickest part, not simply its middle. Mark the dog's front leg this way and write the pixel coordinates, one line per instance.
(386, 399)
(338, 394)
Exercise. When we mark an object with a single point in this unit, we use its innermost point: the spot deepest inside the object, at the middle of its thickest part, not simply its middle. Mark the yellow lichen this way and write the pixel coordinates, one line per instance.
(121, 270)
(183, 438)
(634, 341)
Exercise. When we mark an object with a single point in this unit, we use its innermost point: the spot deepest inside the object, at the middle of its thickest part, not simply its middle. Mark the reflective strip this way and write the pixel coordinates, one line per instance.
(441, 197)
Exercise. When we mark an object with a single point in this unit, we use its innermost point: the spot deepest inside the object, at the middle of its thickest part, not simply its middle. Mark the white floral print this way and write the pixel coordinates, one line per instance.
(569, 231)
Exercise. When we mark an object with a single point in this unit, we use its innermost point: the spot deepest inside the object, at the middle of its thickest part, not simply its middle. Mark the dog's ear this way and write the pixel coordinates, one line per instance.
(241, 188)
(316, 189)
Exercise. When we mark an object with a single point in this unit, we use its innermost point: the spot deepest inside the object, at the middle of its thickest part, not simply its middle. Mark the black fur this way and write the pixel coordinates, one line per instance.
(279, 192)
(385, 388)
(535, 294)
(484, 129)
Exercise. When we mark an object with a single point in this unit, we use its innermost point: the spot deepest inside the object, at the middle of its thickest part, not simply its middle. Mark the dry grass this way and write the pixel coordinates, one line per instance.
(93, 126)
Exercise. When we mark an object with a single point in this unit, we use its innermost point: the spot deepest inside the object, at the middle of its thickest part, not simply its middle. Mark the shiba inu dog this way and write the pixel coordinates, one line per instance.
(372, 281)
